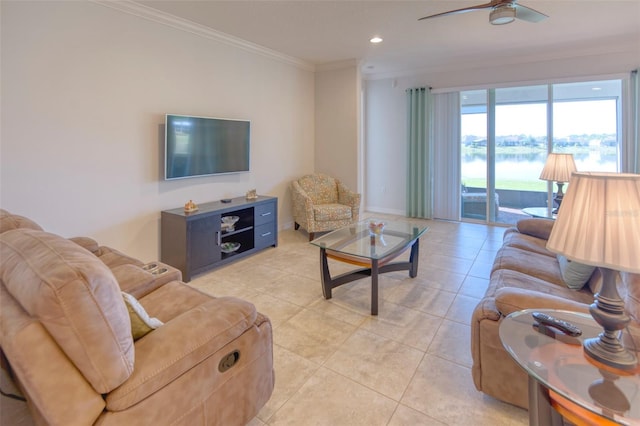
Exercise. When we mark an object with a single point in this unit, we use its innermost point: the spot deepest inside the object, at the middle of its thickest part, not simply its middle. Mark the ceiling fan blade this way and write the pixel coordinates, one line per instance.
(527, 14)
(464, 10)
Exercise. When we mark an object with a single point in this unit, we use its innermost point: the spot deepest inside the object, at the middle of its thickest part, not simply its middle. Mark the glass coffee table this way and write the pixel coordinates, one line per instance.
(356, 244)
(562, 380)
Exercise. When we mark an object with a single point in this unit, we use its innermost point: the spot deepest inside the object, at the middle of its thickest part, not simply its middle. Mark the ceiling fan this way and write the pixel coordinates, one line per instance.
(502, 12)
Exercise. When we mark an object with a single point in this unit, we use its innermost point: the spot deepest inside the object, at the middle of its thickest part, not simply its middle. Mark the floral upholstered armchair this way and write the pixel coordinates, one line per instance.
(322, 203)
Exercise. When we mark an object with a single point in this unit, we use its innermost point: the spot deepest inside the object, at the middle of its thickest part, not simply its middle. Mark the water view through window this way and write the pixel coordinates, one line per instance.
(506, 135)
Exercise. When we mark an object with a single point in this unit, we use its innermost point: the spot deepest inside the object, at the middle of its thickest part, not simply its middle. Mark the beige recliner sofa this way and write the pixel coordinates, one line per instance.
(67, 336)
(525, 275)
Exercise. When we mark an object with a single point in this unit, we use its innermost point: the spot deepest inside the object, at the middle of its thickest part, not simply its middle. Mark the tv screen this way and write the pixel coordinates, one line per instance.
(201, 146)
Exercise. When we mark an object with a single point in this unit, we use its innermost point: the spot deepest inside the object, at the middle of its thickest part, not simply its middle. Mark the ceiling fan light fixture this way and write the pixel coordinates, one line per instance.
(503, 14)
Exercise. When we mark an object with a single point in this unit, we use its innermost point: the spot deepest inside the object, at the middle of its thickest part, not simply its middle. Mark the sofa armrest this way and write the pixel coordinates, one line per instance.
(536, 227)
(510, 299)
(133, 280)
(179, 345)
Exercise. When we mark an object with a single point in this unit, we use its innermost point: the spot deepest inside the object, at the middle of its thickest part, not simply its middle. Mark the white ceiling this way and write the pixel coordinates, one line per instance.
(322, 31)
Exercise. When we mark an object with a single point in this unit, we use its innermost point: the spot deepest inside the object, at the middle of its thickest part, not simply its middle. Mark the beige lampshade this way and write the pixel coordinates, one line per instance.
(558, 167)
(599, 221)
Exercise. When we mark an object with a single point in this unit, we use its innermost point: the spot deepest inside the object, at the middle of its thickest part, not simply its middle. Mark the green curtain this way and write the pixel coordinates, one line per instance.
(420, 153)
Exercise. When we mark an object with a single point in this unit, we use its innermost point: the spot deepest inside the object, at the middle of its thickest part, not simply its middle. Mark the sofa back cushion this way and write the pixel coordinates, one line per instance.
(322, 189)
(76, 298)
(9, 221)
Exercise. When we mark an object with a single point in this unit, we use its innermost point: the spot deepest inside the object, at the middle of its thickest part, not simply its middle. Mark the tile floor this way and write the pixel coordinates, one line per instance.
(336, 364)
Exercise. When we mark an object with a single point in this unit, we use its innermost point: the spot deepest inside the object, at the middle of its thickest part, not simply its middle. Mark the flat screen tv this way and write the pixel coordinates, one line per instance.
(201, 146)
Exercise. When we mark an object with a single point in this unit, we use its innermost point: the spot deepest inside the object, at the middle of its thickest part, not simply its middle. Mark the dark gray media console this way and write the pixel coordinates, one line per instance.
(192, 242)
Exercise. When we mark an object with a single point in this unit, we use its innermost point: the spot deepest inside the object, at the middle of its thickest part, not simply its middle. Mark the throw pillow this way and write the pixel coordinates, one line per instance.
(575, 275)
(141, 322)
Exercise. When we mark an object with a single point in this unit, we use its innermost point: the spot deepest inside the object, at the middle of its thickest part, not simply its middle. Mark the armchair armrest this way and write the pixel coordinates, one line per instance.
(350, 198)
(179, 345)
(302, 205)
(510, 299)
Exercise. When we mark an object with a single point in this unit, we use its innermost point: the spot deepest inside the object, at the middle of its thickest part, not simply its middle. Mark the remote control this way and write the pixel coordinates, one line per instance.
(564, 326)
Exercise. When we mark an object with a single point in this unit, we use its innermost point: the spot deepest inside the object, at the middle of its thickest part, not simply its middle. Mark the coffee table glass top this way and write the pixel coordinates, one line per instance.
(356, 239)
(558, 362)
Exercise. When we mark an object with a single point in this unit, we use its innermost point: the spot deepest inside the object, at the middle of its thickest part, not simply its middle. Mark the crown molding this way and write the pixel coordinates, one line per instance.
(148, 13)
(337, 65)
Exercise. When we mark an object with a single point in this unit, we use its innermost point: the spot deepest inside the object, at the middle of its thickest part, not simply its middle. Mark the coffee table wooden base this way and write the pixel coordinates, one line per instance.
(371, 268)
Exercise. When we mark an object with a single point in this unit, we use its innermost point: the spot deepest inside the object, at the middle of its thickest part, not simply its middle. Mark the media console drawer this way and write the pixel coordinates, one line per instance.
(265, 235)
(191, 242)
(265, 213)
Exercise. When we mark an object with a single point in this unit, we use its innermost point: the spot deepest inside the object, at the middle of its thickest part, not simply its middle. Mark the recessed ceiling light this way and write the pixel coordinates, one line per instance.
(596, 88)
(376, 39)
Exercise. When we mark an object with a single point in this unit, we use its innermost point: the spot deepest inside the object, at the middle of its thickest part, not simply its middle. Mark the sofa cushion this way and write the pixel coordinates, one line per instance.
(512, 299)
(534, 264)
(513, 238)
(574, 274)
(9, 221)
(76, 298)
(538, 288)
(141, 323)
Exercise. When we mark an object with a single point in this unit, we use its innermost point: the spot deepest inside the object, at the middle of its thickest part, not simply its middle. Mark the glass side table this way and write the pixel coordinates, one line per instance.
(541, 212)
(562, 379)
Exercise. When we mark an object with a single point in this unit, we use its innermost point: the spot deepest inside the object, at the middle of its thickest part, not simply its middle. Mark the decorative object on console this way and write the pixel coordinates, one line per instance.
(190, 207)
(558, 168)
(599, 225)
(251, 194)
(229, 247)
(229, 222)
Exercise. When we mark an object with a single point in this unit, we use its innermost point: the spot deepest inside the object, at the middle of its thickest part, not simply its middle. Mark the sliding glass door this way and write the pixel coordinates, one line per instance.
(507, 133)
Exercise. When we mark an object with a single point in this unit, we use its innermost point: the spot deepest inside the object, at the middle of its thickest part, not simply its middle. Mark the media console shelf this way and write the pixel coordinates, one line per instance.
(192, 242)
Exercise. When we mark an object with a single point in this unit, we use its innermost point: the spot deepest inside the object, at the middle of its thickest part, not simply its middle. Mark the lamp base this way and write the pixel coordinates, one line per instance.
(558, 198)
(610, 352)
(608, 311)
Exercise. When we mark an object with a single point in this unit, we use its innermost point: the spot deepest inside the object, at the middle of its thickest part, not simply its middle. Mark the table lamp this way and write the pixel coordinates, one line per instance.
(599, 224)
(558, 168)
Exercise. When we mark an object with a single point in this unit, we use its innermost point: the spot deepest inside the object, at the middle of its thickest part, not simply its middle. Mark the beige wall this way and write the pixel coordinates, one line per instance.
(84, 90)
(337, 121)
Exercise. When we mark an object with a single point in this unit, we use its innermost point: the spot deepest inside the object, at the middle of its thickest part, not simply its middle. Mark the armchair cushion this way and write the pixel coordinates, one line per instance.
(326, 212)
